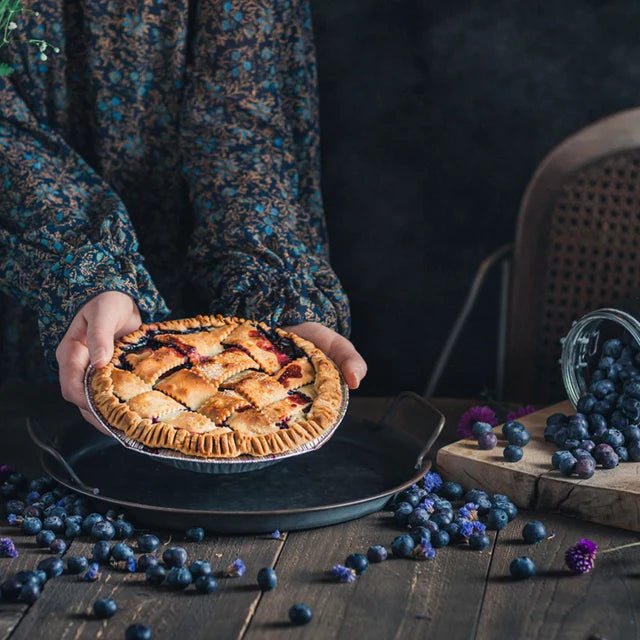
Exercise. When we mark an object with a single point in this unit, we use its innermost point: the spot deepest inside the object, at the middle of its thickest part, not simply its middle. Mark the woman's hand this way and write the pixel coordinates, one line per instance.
(89, 339)
(339, 349)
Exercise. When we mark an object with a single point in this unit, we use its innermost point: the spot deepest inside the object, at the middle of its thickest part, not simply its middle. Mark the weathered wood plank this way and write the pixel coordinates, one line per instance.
(65, 608)
(394, 599)
(556, 604)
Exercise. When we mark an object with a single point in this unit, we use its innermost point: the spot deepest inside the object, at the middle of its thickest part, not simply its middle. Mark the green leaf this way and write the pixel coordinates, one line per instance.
(5, 70)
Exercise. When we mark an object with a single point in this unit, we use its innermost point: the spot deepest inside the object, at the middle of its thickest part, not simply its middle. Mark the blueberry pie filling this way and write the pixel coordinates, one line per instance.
(215, 386)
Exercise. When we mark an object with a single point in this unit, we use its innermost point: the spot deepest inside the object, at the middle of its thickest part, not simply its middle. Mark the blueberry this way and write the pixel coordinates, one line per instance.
(534, 532)
(53, 567)
(453, 529)
(175, 557)
(358, 562)
(137, 632)
(144, 562)
(123, 529)
(103, 530)
(557, 457)
(29, 593)
(101, 552)
(442, 518)
(497, 519)
(453, 490)
(571, 444)
(585, 468)
(58, 546)
(148, 543)
(567, 465)
(614, 438)
(418, 517)
(402, 546)
(632, 434)
(484, 504)
(56, 511)
(586, 403)
(440, 539)
(510, 509)
(601, 450)
(550, 432)
(610, 460)
(121, 552)
(72, 529)
(512, 453)
(578, 430)
(420, 533)
(602, 388)
(557, 418)
(89, 521)
(632, 389)
(481, 427)
(581, 453)
(155, 574)
(10, 590)
(411, 497)
(612, 347)
(511, 427)
(488, 441)
(195, 534)
(14, 506)
(634, 452)
(522, 567)
(618, 420)
(431, 526)
(28, 576)
(478, 541)
(200, 568)
(267, 579)
(206, 584)
(402, 512)
(622, 453)
(104, 608)
(77, 564)
(588, 445)
(560, 436)
(597, 424)
(300, 614)
(602, 407)
(31, 526)
(377, 553)
(473, 495)
(178, 578)
(53, 523)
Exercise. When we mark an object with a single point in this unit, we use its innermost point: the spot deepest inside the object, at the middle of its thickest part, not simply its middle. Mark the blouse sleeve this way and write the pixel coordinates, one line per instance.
(64, 234)
(251, 161)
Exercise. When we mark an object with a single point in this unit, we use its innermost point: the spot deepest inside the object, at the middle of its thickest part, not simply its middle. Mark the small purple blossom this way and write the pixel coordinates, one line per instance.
(520, 412)
(235, 569)
(469, 511)
(93, 573)
(276, 534)
(428, 505)
(466, 528)
(424, 550)
(581, 557)
(473, 415)
(478, 527)
(7, 548)
(432, 481)
(13, 520)
(132, 565)
(344, 574)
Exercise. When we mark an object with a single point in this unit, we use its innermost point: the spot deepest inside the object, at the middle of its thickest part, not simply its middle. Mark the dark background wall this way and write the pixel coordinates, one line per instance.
(434, 116)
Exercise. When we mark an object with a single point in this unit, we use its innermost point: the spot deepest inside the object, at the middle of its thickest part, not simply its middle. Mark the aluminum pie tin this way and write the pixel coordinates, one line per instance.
(240, 464)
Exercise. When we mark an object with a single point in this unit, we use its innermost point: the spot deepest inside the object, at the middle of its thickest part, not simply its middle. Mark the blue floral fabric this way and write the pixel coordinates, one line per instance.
(182, 131)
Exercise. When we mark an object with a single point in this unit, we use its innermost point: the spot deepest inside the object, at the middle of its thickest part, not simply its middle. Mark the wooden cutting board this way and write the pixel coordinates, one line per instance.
(611, 496)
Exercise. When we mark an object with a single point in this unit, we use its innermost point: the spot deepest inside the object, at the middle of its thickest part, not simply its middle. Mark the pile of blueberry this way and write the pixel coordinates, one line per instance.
(55, 516)
(606, 429)
(513, 432)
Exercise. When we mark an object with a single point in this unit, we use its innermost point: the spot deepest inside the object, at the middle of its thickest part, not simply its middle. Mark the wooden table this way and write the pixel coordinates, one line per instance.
(460, 594)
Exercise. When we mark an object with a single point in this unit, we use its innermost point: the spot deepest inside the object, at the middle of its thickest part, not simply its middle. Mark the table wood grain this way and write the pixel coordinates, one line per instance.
(461, 594)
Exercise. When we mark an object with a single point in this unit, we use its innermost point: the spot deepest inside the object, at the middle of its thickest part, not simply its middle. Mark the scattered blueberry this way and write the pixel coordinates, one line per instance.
(29, 592)
(58, 546)
(522, 567)
(138, 632)
(440, 539)
(267, 579)
(31, 526)
(478, 541)
(178, 578)
(200, 568)
(104, 607)
(155, 574)
(102, 530)
(497, 519)
(479, 428)
(300, 614)
(101, 552)
(148, 543)
(195, 534)
(534, 532)
(77, 564)
(453, 490)
(123, 529)
(488, 441)
(519, 437)
(512, 453)
(206, 584)
(53, 567)
(376, 553)
(175, 557)
(358, 562)
(402, 546)
(121, 552)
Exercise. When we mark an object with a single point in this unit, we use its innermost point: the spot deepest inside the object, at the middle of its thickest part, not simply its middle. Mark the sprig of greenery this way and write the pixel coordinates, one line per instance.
(10, 12)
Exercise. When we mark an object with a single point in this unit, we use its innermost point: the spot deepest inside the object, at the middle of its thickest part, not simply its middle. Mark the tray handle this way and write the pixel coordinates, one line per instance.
(411, 413)
(52, 451)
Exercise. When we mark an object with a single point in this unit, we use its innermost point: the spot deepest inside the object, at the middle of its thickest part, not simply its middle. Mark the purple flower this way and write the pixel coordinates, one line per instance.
(5, 471)
(520, 412)
(424, 550)
(582, 556)
(7, 548)
(478, 527)
(469, 511)
(432, 481)
(235, 569)
(93, 573)
(466, 528)
(13, 520)
(132, 565)
(428, 505)
(276, 534)
(344, 574)
(473, 415)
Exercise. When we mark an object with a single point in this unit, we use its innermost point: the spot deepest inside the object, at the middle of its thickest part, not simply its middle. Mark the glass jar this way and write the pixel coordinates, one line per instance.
(581, 346)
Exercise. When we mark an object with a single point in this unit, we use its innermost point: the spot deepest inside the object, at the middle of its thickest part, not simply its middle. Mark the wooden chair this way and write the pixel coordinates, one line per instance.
(577, 248)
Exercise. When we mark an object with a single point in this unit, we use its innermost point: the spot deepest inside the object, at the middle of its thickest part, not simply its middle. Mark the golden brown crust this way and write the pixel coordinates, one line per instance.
(162, 404)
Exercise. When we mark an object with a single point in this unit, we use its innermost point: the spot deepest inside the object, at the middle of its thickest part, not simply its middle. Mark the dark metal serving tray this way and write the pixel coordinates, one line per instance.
(354, 474)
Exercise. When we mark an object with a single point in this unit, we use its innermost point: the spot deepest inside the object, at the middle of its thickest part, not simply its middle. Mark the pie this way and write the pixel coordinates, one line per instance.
(216, 386)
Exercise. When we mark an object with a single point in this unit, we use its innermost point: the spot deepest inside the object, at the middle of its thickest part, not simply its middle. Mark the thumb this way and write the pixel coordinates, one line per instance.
(101, 328)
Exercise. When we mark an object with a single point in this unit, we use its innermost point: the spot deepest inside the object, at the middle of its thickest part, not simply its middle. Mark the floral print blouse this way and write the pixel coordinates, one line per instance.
(184, 131)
